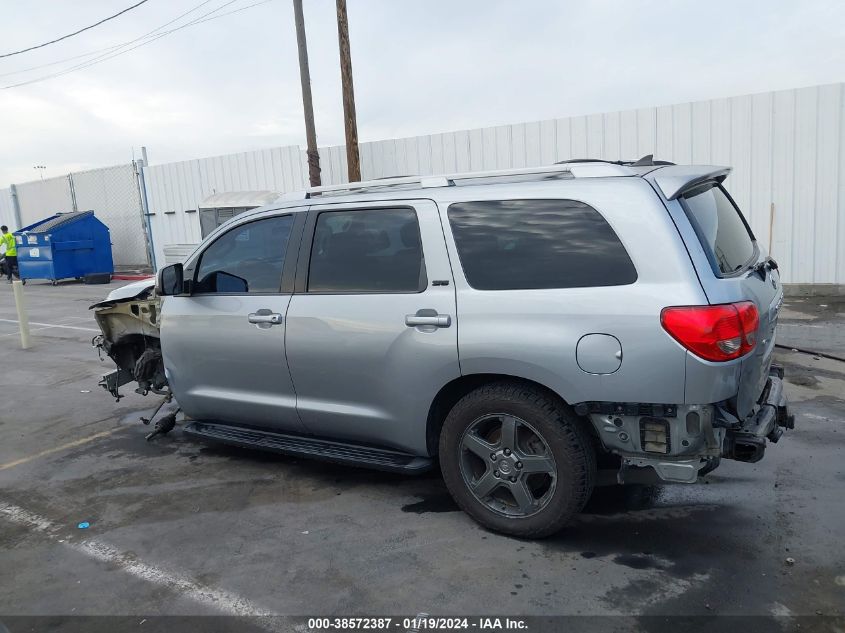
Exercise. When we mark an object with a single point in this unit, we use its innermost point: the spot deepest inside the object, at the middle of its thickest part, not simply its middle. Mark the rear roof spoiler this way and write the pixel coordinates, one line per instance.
(675, 180)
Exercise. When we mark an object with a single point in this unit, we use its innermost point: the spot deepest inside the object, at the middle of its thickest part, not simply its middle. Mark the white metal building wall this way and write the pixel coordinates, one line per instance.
(175, 190)
(786, 149)
(7, 212)
(333, 165)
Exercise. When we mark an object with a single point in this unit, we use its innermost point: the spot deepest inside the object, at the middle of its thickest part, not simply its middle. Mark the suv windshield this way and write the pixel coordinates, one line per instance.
(721, 228)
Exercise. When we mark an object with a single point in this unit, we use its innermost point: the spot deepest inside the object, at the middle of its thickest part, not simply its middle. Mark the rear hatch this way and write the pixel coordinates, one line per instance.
(739, 270)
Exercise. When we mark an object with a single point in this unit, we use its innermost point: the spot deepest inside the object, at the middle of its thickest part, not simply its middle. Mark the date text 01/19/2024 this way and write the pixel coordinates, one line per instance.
(417, 624)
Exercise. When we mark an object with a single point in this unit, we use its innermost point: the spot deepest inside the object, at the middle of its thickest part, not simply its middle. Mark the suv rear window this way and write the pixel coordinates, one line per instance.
(721, 229)
(535, 244)
(366, 251)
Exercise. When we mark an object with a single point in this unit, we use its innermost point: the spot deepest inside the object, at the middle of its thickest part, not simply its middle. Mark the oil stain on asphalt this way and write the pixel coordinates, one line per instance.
(436, 502)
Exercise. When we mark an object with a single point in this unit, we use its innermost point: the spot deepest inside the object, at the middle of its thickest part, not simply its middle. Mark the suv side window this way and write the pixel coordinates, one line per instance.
(721, 228)
(367, 251)
(246, 259)
(536, 244)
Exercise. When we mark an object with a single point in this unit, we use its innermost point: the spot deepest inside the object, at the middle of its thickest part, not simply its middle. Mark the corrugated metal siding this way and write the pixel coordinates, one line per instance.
(786, 149)
(175, 190)
(7, 213)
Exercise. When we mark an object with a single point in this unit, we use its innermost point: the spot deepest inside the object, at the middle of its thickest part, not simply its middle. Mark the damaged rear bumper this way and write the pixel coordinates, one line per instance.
(745, 441)
(692, 437)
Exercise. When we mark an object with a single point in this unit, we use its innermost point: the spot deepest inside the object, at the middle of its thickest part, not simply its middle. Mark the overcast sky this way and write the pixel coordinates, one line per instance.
(232, 84)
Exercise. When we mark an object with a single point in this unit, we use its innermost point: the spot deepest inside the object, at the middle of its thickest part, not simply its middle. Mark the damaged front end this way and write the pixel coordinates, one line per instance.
(129, 320)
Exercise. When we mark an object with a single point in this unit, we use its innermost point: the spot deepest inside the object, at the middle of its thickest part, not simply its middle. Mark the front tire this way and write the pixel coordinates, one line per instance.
(516, 459)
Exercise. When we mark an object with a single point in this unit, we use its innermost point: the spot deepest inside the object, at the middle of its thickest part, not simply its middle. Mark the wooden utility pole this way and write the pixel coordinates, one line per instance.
(349, 120)
(307, 103)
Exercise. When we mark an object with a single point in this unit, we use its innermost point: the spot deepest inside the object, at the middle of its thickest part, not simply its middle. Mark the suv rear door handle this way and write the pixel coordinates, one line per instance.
(273, 318)
(437, 320)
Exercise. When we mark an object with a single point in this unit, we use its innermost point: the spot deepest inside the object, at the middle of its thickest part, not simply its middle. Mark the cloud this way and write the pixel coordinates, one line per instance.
(233, 85)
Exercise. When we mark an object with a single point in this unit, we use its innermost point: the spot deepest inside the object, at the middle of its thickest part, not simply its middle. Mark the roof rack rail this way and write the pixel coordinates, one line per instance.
(583, 169)
(570, 161)
(645, 161)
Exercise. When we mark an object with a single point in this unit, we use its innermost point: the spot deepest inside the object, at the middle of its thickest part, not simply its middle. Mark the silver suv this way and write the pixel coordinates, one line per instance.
(537, 331)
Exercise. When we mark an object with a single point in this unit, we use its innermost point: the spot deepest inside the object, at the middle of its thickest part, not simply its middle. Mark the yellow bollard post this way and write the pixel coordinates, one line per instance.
(23, 317)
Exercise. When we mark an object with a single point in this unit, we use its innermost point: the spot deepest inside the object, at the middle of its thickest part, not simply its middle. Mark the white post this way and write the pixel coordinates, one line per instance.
(23, 317)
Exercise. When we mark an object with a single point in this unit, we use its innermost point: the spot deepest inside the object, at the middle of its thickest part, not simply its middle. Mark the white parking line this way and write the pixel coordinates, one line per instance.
(35, 329)
(227, 602)
(45, 326)
(75, 318)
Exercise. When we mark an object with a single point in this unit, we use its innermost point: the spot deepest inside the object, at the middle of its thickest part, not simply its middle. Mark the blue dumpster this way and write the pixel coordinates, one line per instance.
(64, 246)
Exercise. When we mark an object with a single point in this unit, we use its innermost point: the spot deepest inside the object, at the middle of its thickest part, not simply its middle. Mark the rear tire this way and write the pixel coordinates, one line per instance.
(516, 459)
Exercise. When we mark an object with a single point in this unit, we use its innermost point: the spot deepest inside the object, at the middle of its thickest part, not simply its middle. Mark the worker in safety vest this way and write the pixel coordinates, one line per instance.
(8, 241)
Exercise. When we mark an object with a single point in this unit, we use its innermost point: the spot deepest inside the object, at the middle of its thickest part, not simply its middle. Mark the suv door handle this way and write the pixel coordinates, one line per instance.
(273, 318)
(437, 320)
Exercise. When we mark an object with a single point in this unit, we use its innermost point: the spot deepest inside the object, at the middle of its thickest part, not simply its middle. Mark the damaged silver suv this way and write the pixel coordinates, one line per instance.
(536, 331)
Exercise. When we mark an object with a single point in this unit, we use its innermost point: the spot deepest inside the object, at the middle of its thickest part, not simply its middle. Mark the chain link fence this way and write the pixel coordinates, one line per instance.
(42, 198)
(113, 193)
(114, 196)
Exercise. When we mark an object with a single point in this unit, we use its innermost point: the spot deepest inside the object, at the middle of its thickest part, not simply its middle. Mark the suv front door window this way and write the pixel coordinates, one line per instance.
(246, 259)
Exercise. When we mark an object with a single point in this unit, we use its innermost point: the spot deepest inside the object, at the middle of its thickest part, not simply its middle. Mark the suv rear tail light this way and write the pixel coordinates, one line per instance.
(716, 333)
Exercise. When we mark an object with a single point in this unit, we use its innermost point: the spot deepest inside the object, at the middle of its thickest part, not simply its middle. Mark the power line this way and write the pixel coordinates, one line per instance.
(107, 56)
(107, 48)
(115, 51)
(64, 37)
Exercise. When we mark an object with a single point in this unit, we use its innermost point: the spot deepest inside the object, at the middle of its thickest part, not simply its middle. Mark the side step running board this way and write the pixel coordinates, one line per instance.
(303, 446)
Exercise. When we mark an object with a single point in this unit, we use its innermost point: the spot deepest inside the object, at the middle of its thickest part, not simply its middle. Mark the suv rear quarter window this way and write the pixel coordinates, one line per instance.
(536, 244)
(721, 229)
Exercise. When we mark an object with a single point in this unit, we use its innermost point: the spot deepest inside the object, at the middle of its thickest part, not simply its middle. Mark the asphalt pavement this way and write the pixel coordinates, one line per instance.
(177, 527)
